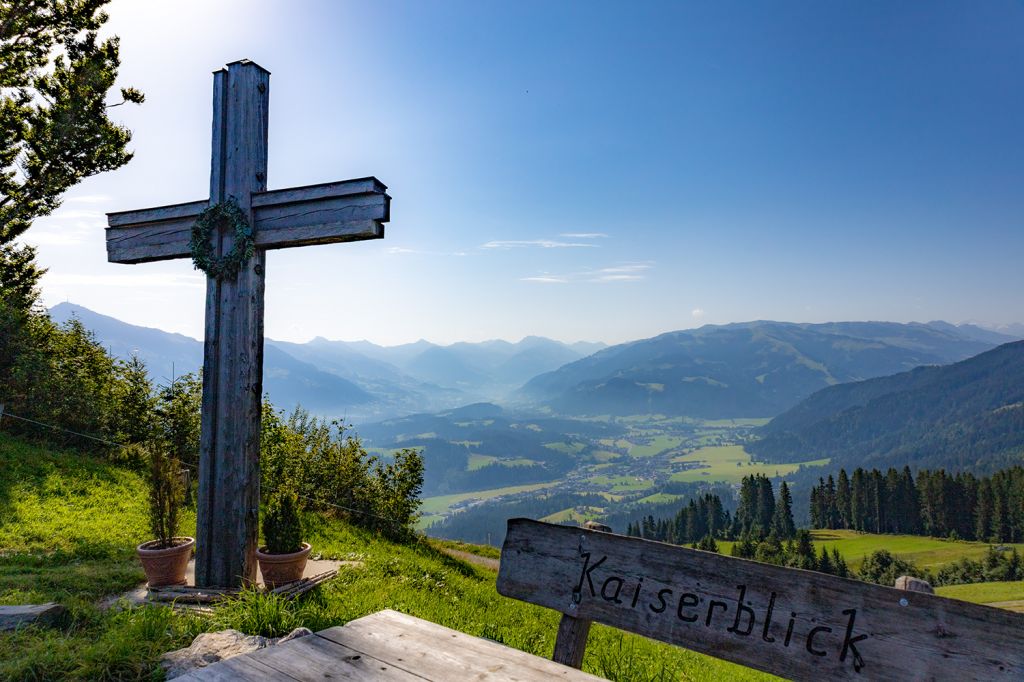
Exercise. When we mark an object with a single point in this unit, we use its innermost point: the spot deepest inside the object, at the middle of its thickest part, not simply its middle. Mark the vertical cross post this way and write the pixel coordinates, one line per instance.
(229, 493)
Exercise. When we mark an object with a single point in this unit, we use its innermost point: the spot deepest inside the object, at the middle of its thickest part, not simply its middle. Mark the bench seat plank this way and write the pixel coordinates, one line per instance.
(439, 653)
(305, 659)
(393, 647)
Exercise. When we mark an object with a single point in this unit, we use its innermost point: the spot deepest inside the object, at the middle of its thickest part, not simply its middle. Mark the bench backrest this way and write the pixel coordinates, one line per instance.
(802, 625)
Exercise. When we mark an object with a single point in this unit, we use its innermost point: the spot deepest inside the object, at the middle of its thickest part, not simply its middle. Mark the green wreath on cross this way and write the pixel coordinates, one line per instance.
(224, 214)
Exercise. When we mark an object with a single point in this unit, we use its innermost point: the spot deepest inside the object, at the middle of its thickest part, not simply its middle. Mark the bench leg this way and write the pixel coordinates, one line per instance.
(571, 641)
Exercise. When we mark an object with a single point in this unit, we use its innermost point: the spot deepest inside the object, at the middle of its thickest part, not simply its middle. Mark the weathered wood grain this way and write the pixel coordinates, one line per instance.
(227, 506)
(333, 212)
(571, 641)
(439, 653)
(798, 624)
(310, 658)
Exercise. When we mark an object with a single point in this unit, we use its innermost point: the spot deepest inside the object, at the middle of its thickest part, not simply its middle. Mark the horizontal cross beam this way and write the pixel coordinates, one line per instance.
(351, 210)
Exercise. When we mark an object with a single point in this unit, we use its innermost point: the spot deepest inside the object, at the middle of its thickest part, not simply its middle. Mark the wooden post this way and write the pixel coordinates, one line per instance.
(571, 641)
(229, 493)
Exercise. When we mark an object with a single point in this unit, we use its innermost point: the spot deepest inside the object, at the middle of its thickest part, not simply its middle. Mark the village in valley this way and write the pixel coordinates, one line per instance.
(357, 360)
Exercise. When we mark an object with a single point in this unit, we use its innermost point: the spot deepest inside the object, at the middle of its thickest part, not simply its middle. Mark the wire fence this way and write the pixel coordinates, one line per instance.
(269, 489)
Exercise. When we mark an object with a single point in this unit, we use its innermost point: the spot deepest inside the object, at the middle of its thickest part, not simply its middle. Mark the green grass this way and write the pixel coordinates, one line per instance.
(479, 461)
(441, 504)
(1007, 595)
(573, 448)
(619, 484)
(572, 514)
(657, 445)
(418, 579)
(927, 553)
(728, 423)
(659, 498)
(730, 463)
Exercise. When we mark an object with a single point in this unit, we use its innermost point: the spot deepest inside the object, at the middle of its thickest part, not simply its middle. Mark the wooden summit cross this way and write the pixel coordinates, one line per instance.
(350, 210)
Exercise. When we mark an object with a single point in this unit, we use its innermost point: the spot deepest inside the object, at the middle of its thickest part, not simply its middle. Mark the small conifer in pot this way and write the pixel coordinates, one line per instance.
(283, 556)
(164, 559)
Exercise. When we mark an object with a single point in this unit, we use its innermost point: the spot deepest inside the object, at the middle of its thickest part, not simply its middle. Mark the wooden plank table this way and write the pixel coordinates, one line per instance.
(388, 645)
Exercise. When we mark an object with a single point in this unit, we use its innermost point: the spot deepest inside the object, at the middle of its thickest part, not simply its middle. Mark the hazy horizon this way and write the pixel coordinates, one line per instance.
(1008, 329)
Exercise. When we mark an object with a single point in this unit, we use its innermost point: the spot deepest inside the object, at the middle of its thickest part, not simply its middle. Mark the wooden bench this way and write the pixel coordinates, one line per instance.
(797, 624)
(388, 645)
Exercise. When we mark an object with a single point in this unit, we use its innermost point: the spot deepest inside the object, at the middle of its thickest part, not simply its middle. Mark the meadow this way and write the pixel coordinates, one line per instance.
(1004, 595)
(730, 463)
(72, 527)
(927, 553)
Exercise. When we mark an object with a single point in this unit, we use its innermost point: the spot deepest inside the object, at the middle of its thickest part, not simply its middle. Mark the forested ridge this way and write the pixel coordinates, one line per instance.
(964, 416)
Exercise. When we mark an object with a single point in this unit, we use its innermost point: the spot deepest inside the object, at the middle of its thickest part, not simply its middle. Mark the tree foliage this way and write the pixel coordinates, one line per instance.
(936, 503)
(55, 75)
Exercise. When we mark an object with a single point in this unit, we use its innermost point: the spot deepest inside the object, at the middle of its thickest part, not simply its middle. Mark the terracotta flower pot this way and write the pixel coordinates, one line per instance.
(279, 569)
(166, 566)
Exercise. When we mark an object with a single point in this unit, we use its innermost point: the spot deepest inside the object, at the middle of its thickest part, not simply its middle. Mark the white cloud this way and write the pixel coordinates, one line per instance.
(583, 235)
(625, 268)
(625, 272)
(697, 313)
(617, 278)
(545, 279)
(532, 243)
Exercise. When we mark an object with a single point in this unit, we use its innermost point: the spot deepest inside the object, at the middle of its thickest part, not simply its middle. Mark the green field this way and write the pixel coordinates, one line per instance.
(659, 498)
(730, 463)
(927, 553)
(477, 461)
(572, 514)
(435, 508)
(1004, 595)
(657, 445)
(620, 484)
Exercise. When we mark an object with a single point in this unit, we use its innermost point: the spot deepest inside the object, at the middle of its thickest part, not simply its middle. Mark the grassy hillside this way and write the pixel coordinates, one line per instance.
(1004, 595)
(68, 526)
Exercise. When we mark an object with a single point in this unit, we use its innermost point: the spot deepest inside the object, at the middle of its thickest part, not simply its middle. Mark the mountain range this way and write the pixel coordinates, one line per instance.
(754, 369)
(356, 380)
(965, 416)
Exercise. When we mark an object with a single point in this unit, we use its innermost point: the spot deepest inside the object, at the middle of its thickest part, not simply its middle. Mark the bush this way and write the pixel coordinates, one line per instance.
(882, 567)
(336, 475)
(165, 494)
(282, 527)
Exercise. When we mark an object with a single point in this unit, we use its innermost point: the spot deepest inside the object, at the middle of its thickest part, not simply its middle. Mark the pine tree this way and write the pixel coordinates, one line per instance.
(765, 504)
(843, 500)
(54, 129)
(858, 500)
(782, 522)
(824, 562)
(831, 510)
(839, 566)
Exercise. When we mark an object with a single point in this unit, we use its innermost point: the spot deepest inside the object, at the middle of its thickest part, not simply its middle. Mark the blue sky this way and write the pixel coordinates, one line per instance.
(600, 171)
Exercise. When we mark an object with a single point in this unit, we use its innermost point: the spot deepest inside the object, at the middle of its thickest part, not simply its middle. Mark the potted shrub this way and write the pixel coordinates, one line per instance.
(283, 557)
(164, 559)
